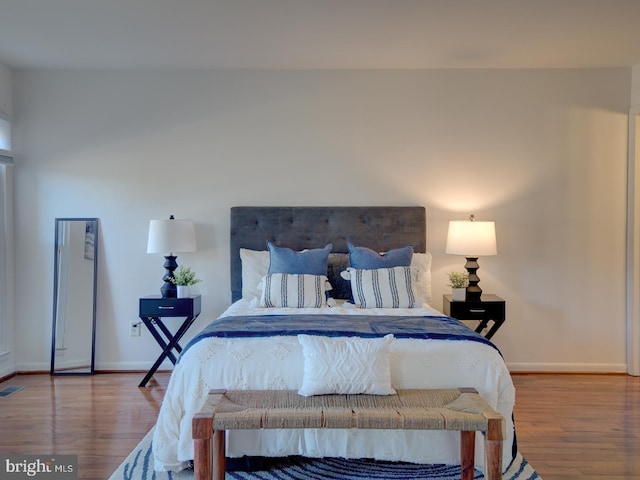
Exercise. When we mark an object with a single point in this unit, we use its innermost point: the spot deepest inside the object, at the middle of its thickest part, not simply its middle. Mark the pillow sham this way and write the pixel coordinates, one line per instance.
(309, 262)
(421, 262)
(255, 265)
(294, 291)
(365, 258)
(383, 287)
(346, 365)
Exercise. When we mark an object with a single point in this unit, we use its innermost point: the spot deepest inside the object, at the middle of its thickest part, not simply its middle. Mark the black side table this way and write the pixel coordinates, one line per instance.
(152, 310)
(489, 307)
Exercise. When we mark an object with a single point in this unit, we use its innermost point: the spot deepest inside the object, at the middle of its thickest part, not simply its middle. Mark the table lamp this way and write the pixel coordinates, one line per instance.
(472, 239)
(169, 237)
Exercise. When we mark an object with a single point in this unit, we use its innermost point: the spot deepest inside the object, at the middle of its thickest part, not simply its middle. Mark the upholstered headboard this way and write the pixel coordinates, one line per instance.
(379, 228)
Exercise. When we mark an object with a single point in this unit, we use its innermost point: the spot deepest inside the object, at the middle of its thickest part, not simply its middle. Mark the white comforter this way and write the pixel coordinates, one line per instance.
(277, 363)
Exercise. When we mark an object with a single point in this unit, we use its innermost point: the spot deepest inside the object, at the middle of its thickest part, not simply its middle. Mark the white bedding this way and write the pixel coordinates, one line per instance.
(277, 363)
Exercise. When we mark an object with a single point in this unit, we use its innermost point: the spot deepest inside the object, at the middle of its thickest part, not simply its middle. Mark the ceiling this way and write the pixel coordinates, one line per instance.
(319, 34)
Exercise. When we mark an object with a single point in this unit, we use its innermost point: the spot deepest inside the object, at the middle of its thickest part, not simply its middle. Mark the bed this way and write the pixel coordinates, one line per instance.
(390, 339)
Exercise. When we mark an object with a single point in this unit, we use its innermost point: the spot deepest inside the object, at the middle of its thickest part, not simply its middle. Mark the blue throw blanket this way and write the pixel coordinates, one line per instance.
(435, 328)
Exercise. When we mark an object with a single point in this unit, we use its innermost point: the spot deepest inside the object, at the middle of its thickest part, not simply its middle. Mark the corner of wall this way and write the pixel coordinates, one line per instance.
(5, 90)
(635, 85)
(7, 312)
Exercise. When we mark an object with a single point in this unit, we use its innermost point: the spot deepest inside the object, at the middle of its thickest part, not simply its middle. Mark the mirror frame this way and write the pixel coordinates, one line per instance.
(56, 288)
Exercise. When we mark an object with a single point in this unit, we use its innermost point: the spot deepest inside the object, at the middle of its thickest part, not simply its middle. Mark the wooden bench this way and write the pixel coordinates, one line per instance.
(461, 410)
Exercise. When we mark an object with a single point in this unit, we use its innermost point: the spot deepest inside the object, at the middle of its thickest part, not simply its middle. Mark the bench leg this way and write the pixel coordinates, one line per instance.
(202, 461)
(218, 453)
(493, 449)
(209, 462)
(467, 454)
(201, 430)
(208, 448)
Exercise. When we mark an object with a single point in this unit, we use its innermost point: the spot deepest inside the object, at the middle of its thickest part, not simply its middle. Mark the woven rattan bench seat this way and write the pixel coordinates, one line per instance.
(461, 410)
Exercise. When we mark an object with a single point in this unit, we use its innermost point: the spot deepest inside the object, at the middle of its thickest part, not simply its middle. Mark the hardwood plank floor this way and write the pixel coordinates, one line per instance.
(569, 426)
(99, 418)
(579, 426)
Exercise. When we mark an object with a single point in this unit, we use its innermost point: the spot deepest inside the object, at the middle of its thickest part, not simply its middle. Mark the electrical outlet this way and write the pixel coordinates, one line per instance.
(134, 328)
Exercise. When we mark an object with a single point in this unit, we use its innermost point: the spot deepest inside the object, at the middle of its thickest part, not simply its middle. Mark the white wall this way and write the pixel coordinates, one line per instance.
(541, 152)
(7, 322)
(633, 229)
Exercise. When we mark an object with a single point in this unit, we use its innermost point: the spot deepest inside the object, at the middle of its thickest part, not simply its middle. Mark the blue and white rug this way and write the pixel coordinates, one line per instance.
(139, 466)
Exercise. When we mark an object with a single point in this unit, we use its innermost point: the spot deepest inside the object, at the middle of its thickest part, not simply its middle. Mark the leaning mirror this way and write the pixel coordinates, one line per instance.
(74, 296)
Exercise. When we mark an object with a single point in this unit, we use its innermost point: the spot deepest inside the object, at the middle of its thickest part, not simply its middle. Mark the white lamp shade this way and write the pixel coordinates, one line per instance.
(169, 236)
(471, 238)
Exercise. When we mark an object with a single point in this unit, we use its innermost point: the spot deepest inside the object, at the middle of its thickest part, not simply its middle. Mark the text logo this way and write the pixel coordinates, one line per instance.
(49, 467)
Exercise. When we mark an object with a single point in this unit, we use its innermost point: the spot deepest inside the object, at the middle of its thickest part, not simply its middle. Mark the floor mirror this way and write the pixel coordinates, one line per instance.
(74, 296)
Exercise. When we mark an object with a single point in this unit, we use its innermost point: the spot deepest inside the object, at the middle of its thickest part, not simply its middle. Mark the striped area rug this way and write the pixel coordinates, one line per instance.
(139, 466)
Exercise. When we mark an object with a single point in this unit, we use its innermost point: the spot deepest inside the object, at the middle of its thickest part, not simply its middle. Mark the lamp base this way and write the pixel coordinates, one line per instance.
(169, 289)
(474, 292)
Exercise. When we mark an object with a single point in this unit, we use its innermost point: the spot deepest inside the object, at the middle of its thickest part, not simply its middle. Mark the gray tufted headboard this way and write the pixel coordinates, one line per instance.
(379, 228)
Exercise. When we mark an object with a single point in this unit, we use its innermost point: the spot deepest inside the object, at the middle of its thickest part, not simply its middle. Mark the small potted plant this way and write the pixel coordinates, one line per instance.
(458, 281)
(184, 278)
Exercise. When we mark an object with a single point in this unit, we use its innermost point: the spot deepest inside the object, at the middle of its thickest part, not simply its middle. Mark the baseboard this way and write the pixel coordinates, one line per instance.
(7, 365)
(102, 366)
(33, 367)
(96, 372)
(131, 366)
(141, 372)
(515, 367)
(7, 377)
(567, 367)
(7, 373)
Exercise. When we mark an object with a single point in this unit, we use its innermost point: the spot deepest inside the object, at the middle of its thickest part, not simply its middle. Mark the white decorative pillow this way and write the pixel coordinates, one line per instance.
(295, 291)
(422, 263)
(384, 287)
(255, 265)
(346, 365)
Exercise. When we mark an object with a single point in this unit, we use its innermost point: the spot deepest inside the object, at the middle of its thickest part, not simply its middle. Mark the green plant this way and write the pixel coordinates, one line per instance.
(458, 279)
(184, 276)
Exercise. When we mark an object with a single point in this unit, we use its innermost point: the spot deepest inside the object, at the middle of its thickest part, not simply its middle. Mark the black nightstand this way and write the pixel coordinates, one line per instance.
(152, 310)
(490, 307)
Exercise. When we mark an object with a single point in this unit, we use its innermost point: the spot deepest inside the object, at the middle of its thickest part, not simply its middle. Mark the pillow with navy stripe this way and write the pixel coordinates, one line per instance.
(294, 290)
(384, 287)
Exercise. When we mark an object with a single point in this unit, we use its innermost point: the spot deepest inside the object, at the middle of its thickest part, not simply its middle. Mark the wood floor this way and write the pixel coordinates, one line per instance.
(569, 426)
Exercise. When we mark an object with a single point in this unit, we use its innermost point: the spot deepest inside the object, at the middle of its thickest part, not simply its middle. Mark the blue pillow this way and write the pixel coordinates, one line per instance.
(306, 262)
(366, 259)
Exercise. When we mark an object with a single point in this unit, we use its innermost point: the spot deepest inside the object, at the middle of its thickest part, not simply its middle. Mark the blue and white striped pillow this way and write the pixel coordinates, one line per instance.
(293, 290)
(384, 287)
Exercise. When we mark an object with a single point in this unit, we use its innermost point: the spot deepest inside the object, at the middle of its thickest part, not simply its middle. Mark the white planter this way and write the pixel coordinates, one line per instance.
(184, 291)
(458, 294)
